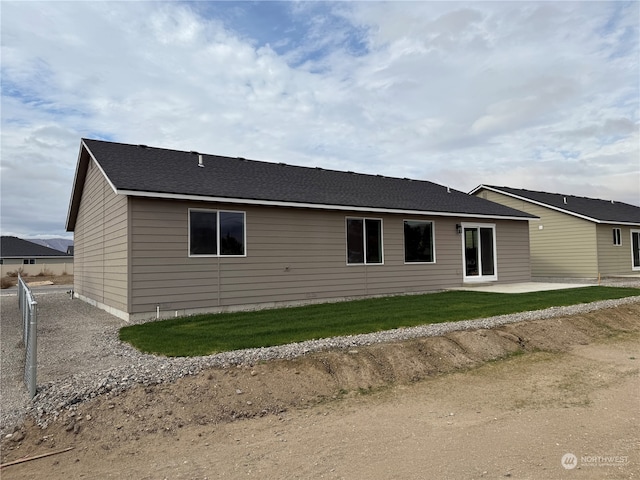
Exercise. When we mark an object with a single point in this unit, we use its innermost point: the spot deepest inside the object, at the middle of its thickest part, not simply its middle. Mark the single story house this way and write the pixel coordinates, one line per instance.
(576, 237)
(160, 233)
(31, 258)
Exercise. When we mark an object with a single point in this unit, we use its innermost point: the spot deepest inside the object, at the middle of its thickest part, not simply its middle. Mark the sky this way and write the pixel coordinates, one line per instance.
(543, 96)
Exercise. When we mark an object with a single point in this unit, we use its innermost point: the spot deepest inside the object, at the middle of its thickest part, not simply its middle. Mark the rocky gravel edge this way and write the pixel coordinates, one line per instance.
(143, 369)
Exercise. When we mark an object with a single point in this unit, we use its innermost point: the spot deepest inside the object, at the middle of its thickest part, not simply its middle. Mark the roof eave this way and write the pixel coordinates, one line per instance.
(535, 202)
(84, 158)
(316, 206)
(78, 186)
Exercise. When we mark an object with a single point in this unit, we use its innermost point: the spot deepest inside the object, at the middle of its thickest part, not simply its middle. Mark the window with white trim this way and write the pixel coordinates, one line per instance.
(214, 233)
(617, 237)
(364, 241)
(418, 242)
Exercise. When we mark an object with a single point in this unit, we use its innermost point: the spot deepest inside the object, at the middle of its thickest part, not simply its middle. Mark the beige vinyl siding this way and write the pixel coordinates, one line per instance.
(55, 265)
(100, 243)
(291, 255)
(614, 259)
(565, 246)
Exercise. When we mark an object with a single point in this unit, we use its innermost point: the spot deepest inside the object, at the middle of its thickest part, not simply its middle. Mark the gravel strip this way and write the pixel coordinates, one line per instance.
(106, 365)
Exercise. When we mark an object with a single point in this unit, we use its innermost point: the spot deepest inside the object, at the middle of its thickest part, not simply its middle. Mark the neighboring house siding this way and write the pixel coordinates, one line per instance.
(565, 246)
(292, 255)
(614, 259)
(55, 266)
(100, 240)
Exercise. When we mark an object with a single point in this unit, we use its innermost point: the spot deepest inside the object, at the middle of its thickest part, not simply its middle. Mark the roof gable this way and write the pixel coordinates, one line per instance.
(14, 247)
(148, 171)
(592, 209)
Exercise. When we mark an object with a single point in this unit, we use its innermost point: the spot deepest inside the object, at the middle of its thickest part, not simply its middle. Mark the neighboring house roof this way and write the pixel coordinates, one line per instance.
(139, 170)
(593, 209)
(14, 247)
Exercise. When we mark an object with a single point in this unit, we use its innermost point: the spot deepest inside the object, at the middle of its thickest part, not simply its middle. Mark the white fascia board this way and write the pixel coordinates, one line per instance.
(273, 203)
(113, 187)
(541, 204)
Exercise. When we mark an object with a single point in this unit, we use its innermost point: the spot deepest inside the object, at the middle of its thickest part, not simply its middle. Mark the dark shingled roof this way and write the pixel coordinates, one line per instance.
(607, 211)
(14, 247)
(136, 168)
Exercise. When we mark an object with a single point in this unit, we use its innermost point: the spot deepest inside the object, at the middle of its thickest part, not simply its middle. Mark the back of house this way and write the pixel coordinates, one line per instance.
(163, 232)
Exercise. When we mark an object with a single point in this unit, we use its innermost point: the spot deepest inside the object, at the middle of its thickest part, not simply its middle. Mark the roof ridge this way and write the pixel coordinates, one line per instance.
(245, 159)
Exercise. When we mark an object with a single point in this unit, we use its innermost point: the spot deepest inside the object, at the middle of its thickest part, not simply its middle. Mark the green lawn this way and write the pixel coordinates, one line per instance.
(213, 333)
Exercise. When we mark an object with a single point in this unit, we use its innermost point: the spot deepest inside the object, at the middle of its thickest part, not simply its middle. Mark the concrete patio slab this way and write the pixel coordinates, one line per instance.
(524, 287)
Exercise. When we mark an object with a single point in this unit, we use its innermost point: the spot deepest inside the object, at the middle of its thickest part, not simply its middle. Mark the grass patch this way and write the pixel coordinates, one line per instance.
(213, 333)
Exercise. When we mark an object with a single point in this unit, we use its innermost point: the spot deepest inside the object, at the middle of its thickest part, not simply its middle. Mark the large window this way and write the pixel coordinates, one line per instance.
(216, 233)
(364, 240)
(418, 242)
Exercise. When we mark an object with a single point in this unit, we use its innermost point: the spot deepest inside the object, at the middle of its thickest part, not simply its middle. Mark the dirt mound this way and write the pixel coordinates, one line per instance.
(218, 396)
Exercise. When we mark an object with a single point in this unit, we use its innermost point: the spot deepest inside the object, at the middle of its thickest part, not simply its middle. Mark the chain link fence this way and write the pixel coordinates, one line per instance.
(29, 310)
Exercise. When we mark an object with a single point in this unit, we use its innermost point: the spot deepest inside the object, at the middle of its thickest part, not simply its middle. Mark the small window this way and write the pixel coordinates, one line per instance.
(418, 242)
(216, 233)
(364, 241)
(617, 238)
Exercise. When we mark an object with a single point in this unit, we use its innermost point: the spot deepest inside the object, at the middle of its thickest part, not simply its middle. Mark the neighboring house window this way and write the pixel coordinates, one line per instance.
(29, 261)
(617, 239)
(364, 240)
(418, 242)
(216, 233)
(635, 249)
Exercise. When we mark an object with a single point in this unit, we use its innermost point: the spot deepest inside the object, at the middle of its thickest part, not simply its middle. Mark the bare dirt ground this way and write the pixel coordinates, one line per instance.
(503, 403)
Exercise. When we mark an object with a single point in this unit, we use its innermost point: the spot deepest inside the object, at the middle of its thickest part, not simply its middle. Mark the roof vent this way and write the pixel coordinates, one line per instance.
(241, 159)
(565, 200)
(612, 202)
(448, 190)
(200, 162)
(194, 152)
(142, 146)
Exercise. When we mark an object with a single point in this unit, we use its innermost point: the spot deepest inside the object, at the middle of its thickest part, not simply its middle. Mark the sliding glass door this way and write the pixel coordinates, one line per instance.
(479, 252)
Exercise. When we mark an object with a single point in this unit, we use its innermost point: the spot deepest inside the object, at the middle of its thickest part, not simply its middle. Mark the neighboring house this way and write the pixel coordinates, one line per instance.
(30, 258)
(164, 232)
(576, 237)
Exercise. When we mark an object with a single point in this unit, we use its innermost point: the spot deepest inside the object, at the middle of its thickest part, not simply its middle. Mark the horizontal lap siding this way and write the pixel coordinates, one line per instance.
(292, 255)
(614, 259)
(100, 243)
(512, 244)
(565, 246)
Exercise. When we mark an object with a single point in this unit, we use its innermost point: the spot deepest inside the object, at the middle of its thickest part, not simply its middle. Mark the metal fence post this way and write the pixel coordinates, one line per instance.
(29, 311)
(32, 349)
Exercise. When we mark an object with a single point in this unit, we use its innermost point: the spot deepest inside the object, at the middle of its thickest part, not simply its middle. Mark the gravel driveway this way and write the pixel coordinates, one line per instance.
(73, 337)
(80, 356)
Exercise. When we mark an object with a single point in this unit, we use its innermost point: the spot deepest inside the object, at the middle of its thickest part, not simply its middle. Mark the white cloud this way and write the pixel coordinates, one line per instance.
(522, 94)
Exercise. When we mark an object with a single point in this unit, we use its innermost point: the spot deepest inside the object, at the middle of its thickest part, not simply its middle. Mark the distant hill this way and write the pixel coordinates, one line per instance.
(55, 243)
